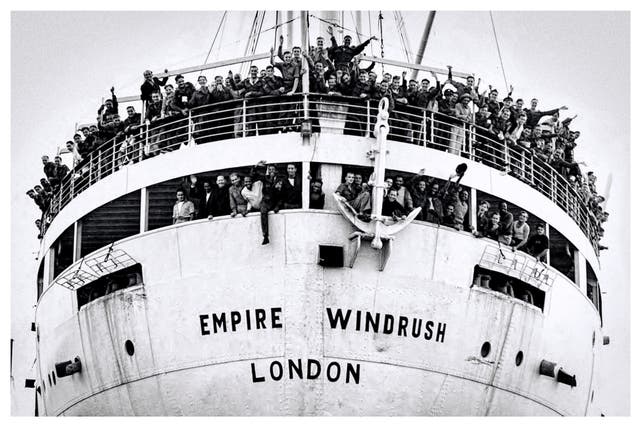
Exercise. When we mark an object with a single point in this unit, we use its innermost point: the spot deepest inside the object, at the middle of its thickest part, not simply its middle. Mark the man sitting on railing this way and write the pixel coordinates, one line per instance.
(272, 195)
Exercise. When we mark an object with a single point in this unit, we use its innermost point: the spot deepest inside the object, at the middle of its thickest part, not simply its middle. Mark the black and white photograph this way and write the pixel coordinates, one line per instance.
(319, 213)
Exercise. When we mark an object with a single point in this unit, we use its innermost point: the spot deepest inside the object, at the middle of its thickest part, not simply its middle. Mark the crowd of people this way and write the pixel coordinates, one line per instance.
(445, 204)
(263, 190)
(266, 189)
(334, 70)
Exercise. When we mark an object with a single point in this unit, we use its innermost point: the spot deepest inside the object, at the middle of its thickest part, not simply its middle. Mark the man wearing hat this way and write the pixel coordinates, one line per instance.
(342, 55)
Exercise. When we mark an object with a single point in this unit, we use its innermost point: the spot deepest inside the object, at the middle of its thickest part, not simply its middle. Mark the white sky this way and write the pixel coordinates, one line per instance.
(63, 63)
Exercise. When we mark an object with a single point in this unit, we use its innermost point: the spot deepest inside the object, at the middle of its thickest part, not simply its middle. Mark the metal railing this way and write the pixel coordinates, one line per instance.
(327, 114)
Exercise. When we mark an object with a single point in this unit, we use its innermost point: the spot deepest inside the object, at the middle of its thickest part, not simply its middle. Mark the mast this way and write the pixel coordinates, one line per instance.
(359, 25)
(289, 32)
(423, 42)
(304, 45)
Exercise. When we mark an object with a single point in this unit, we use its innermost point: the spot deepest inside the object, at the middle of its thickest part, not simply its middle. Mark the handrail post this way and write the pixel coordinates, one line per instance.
(72, 184)
(532, 172)
(305, 106)
(431, 128)
(146, 137)
(90, 167)
(189, 125)
(244, 118)
(424, 128)
(113, 157)
(506, 155)
(368, 118)
(472, 141)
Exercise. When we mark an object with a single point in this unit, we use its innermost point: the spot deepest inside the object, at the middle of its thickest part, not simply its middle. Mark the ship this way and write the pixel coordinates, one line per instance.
(339, 314)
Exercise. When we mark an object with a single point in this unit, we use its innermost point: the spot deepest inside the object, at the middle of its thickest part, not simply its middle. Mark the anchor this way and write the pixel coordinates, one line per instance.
(380, 230)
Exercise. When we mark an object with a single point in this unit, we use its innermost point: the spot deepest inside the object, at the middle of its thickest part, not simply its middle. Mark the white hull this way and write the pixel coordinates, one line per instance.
(208, 267)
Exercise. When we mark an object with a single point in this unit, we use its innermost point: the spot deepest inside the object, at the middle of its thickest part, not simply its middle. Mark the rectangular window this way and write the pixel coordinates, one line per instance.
(105, 285)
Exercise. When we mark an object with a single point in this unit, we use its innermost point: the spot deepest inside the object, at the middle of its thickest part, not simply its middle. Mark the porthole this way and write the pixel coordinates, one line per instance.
(53, 376)
(485, 349)
(519, 358)
(128, 346)
(49, 376)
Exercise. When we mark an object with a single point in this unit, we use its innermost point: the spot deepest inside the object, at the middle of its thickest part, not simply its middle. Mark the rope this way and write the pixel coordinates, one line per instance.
(504, 75)
(224, 15)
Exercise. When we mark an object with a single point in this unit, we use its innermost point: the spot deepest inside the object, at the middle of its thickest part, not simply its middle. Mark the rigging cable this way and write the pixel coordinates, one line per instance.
(370, 32)
(403, 33)
(224, 15)
(355, 24)
(256, 37)
(504, 75)
(380, 18)
(275, 33)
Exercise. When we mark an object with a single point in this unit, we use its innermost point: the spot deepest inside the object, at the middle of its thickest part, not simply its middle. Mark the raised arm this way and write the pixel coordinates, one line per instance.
(280, 42)
(114, 99)
(364, 44)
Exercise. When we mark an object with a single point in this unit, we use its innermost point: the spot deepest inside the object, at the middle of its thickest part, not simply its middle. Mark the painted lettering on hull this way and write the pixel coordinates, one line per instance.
(388, 324)
(292, 369)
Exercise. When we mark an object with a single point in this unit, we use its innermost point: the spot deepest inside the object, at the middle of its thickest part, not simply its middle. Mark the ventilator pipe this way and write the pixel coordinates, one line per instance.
(565, 378)
(64, 369)
(549, 369)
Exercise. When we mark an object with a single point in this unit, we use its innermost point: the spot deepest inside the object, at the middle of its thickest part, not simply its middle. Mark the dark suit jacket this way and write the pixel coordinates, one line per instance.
(221, 200)
(292, 195)
(207, 207)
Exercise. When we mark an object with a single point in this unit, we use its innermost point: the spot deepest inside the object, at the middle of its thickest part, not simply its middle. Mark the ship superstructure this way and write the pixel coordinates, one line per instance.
(139, 316)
